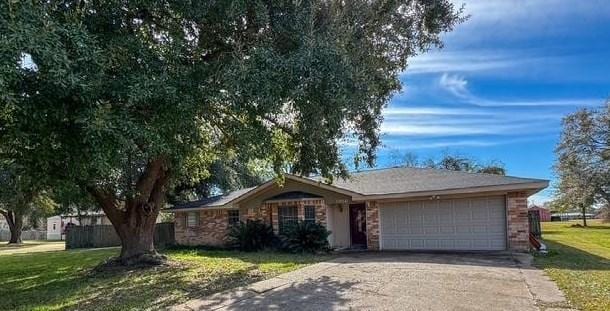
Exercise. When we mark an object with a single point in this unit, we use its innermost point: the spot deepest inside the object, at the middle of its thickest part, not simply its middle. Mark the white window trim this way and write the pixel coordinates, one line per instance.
(196, 221)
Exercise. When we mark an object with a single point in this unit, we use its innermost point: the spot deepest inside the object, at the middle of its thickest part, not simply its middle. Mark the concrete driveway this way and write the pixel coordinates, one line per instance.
(399, 281)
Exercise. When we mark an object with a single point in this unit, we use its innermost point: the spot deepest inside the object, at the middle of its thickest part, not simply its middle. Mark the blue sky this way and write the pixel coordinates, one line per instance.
(502, 83)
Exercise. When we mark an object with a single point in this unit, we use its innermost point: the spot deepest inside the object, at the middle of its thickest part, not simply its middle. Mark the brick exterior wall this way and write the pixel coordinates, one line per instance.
(262, 213)
(372, 225)
(517, 221)
(213, 225)
(211, 230)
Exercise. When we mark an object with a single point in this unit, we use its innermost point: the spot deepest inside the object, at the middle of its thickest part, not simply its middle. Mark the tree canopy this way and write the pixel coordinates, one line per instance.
(126, 98)
(583, 160)
(449, 161)
(21, 199)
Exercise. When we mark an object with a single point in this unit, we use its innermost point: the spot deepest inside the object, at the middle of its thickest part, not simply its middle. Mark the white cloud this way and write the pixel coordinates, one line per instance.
(455, 84)
(510, 20)
(591, 102)
(458, 86)
(464, 61)
(410, 144)
(413, 111)
(438, 128)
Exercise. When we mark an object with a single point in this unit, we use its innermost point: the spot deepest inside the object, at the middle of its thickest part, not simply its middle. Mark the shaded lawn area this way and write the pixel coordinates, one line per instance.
(579, 262)
(63, 279)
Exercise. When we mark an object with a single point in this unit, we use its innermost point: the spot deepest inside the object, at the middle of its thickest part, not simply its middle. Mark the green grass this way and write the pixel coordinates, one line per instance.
(30, 247)
(64, 279)
(4, 244)
(579, 262)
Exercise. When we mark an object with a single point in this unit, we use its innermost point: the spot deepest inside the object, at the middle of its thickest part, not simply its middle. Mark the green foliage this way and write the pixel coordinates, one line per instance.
(73, 200)
(305, 237)
(127, 98)
(583, 161)
(251, 236)
(22, 198)
(226, 175)
(452, 162)
(118, 83)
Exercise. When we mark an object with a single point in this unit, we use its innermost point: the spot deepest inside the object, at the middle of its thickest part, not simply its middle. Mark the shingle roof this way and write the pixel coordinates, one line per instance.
(397, 180)
(218, 200)
(409, 179)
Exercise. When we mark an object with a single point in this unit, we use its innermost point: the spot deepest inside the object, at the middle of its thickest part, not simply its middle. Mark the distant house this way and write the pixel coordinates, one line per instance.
(545, 214)
(3, 223)
(56, 225)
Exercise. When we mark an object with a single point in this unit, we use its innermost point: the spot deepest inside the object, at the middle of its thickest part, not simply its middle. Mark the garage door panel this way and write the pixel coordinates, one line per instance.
(462, 214)
(416, 230)
(457, 224)
(496, 229)
(479, 229)
(432, 230)
(447, 229)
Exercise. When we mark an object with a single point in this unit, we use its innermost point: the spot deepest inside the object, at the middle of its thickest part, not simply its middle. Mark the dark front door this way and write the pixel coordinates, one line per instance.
(357, 224)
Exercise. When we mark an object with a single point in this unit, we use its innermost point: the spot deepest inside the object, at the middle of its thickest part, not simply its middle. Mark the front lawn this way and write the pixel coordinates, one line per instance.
(579, 262)
(31, 247)
(63, 279)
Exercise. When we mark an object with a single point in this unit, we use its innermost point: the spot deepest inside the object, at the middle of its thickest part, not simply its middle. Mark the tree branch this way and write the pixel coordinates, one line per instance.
(107, 201)
(287, 130)
(148, 179)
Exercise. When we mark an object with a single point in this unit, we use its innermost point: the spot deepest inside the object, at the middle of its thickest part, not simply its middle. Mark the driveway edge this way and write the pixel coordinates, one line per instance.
(544, 291)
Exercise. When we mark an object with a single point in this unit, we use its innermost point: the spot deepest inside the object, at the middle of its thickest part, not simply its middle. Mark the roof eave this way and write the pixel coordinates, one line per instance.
(530, 188)
(199, 208)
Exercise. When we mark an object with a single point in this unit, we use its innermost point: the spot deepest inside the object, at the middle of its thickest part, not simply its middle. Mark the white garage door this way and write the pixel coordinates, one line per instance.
(452, 224)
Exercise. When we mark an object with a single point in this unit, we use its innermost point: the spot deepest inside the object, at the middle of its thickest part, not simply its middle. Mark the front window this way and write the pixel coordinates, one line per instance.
(192, 220)
(310, 214)
(287, 215)
(233, 217)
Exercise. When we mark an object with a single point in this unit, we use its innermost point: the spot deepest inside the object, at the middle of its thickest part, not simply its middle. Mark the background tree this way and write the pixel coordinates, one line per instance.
(127, 98)
(448, 161)
(226, 175)
(583, 161)
(20, 200)
(73, 200)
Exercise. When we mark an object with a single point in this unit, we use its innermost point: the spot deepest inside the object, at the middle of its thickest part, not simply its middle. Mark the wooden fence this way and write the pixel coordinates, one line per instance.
(106, 236)
(26, 235)
(534, 223)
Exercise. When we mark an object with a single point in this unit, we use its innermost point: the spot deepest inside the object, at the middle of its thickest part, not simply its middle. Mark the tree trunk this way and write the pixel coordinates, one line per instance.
(15, 225)
(134, 220)
(136, 232)
(584, 216)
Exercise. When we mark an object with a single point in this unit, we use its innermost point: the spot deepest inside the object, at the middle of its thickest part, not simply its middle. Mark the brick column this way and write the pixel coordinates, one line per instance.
(274, 218)
(321, 212)
(517, 224)
(300, 210)
(180, 228)
(372, 225)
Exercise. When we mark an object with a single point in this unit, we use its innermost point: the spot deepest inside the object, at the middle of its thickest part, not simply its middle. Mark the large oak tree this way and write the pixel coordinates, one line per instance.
(124, 98)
